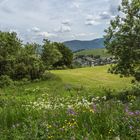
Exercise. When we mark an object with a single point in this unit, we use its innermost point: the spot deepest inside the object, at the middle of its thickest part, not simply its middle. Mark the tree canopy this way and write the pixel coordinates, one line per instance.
(30, 61)
(122, 39)
(50, 54)
(67, 56)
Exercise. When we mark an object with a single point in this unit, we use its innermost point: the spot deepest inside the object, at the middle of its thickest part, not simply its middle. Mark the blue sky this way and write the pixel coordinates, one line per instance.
(57, 20)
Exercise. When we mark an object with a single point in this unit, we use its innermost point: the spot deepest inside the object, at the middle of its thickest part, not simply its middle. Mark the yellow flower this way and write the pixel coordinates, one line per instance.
(91, 110)
(49, 137)
(49, 126)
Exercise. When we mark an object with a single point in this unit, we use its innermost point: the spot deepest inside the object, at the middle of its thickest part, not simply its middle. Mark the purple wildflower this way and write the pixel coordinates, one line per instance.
(71, 111)
(137, 112)
(130, 113)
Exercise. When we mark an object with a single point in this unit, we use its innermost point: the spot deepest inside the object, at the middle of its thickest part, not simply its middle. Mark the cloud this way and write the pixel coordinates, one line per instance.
(3, 1)
(76, 5)
(64, 28)
(113, 8)
(66, 22)
(69, 17)
(36, 32)
(35, 29)
(46, 34)
(83, 34)
(105, 15)
(91, 22)
(7, 10)
(97, 19)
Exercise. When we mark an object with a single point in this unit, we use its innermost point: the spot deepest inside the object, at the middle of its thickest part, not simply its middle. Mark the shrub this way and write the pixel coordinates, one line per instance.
(49, 76)
(5, 81)
(23, 81)
(123, 95)
(137, 75)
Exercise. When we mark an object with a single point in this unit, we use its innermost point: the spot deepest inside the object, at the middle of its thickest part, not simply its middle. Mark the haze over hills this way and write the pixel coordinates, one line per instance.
(75, 45)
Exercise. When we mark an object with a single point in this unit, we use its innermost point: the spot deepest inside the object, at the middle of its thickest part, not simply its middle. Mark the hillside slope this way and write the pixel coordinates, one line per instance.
(100, 51)
(75, 45)
(95, 78)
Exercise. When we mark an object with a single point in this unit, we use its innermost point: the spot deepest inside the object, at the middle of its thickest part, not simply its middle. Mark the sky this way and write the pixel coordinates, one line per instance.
(57, 20)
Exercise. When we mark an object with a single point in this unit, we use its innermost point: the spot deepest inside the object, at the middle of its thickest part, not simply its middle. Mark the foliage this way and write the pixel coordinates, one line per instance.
(49, 76)
(5, 81)
(125, 95)
(41, 113)
(9, 48)
(122, 39)
(50, 54)
(67, 56)
(19, 61)
(29, 61)
(28, 64)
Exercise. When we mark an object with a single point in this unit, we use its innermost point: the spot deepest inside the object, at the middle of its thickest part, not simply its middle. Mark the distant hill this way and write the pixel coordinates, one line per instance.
(75, 45)
(98, 51)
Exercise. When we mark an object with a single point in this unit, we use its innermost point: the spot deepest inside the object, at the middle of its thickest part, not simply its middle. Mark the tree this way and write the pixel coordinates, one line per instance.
(28, 63)
(18, 61)
(122, 39)
(67, 56)
(9, 48)
(50, 54)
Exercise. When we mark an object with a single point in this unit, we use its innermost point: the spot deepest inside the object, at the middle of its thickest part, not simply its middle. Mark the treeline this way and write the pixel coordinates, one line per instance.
(30, 61)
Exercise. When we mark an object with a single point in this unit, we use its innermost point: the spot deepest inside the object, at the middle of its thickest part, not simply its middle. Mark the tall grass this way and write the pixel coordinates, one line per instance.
(39, 114)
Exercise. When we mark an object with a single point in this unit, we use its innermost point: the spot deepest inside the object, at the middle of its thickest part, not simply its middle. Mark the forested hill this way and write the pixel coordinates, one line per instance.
(75, 45)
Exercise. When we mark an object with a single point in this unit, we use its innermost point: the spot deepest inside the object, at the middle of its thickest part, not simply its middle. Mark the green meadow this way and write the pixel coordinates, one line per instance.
(73, 104)
(93, 77)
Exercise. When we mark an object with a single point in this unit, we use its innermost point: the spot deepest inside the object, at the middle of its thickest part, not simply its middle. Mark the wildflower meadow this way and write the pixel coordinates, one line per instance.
(39, 114)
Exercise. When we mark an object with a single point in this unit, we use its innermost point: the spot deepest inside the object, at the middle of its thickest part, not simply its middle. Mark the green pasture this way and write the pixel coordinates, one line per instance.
(95, 52)
(93, 77)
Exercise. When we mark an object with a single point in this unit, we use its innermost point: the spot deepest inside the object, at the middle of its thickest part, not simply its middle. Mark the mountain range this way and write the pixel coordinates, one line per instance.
(76, 45)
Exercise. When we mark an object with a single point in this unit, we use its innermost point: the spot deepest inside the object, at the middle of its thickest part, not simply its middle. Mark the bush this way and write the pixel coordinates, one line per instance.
(21, 82)
(5, 81)
(137, 75)
(123, 95)
(49, 76)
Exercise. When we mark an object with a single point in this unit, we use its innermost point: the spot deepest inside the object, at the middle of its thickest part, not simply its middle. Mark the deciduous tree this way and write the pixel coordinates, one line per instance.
(122, 39)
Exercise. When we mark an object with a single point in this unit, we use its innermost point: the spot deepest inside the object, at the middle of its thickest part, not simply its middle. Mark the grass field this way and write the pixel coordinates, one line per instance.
(93, 77)
(71, 106)
(95, 52)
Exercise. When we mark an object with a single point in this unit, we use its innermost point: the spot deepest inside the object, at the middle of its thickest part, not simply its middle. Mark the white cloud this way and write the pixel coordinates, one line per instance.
(92, 22)
(105, 15)
(66, 22)
(63, 29)
(83, 34)
(89, 17)
(46, 34)
(98, 19)
(35, 29)
(67, 16)
(75, 5)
